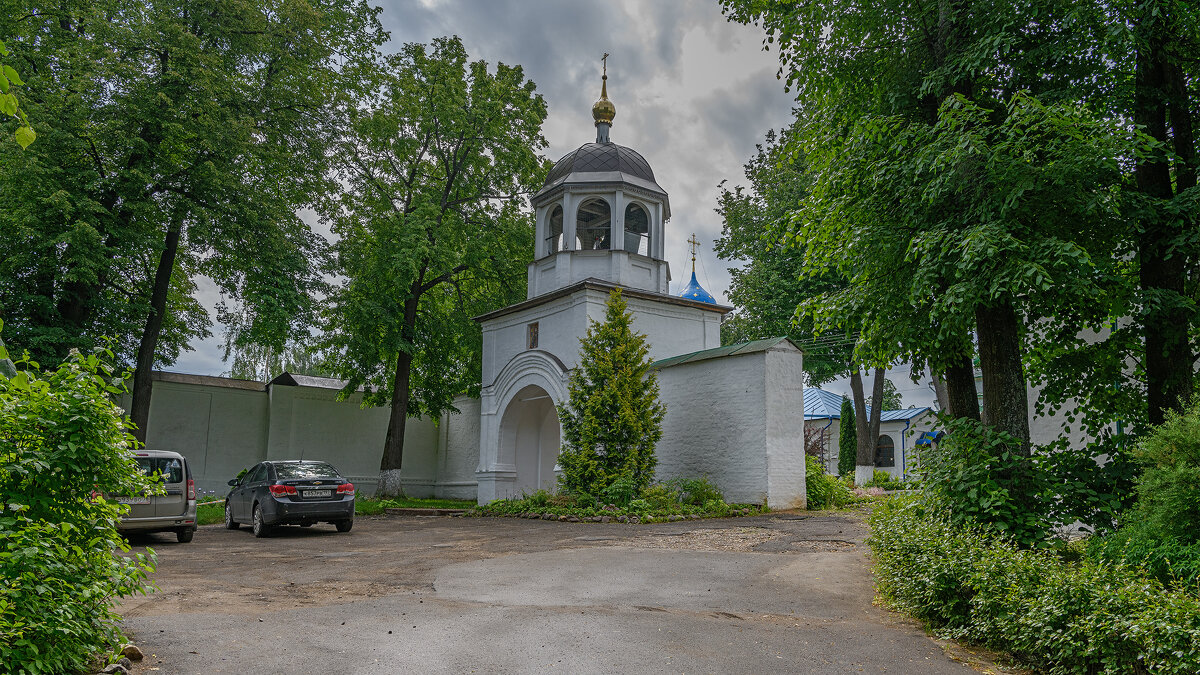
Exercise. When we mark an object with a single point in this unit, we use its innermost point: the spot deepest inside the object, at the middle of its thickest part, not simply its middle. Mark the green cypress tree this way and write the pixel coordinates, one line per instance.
(847, 440)
(613, 418)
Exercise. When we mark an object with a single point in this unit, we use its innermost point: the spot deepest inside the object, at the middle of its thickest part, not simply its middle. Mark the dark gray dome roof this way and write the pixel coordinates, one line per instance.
(601, 157)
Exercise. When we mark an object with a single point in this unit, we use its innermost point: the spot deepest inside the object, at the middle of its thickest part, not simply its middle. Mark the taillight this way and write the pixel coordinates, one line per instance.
(282, 490)
(191, 490)
(346, 489)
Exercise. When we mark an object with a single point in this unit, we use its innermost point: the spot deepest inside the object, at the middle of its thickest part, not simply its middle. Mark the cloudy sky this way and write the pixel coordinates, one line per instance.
(693, 92)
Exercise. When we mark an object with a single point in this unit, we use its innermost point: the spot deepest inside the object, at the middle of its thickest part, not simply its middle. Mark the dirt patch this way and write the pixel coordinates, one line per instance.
(737, 539)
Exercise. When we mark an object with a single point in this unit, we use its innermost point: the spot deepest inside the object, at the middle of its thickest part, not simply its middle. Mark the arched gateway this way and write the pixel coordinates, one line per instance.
(529, 439)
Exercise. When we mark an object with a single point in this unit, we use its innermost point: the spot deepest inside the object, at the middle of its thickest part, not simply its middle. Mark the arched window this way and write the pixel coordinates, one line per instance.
(593, 225)
(554, 230)
(885, 452)
(637, 230)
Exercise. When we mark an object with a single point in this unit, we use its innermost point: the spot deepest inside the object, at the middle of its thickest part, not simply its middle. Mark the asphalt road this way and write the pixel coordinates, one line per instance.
(775, 593)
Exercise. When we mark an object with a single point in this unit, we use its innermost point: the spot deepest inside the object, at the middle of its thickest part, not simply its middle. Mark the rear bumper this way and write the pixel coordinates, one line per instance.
(278, 512)
(185, 520)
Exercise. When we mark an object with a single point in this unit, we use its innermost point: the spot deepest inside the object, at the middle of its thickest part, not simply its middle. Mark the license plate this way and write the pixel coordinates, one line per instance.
(133, 500)
(309, 494)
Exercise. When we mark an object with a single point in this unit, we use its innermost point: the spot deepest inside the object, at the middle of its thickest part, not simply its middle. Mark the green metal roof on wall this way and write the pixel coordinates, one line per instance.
(719, 352)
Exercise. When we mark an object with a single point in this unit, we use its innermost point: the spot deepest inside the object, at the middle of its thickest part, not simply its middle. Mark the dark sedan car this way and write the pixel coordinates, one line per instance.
(290, 493)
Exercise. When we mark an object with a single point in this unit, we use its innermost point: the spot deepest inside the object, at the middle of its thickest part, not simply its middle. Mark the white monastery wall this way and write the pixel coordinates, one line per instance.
(224, 428)
(734, 419)
(219, 429)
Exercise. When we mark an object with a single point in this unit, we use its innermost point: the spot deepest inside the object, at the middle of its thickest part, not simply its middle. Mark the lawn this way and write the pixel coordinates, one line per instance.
(211, 513)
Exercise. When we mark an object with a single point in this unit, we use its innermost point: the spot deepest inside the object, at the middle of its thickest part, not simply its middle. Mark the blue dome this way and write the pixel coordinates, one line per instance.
(695, 291)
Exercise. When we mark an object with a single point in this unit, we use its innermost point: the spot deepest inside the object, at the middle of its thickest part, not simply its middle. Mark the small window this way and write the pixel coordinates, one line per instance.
(637, 230)
(532, 339)
(554, 230)
(885, 452)
(593, 227)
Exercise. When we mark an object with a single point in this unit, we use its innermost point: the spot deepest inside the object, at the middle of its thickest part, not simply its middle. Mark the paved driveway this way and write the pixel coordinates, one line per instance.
(776, 593)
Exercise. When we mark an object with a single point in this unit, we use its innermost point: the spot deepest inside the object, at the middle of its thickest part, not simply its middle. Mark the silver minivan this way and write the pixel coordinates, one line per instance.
(174, 511)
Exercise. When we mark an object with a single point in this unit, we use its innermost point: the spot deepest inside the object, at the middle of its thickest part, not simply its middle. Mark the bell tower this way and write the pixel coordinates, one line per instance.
(600, 215)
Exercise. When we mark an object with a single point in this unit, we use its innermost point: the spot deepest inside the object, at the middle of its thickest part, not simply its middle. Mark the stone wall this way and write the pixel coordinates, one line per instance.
(734, 419)
(224, 425)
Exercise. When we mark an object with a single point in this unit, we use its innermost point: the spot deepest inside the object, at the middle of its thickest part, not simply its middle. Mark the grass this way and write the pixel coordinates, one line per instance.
(213, 512)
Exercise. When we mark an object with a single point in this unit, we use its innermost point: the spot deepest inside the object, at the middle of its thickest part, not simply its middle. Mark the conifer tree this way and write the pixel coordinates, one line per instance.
(847, 440)
(613, 418)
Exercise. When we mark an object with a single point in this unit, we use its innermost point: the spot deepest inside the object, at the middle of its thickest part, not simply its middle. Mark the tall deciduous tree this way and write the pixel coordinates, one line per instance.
(987, 227)
(432, 228)
(613, 417)
(179, 139)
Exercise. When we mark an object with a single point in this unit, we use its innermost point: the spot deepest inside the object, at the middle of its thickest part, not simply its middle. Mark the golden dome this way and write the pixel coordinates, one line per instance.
(603, 110)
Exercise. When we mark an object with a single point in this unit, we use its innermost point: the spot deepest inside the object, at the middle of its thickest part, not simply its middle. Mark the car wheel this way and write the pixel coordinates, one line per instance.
(260, 528)
(230, 523)
(184, 535)
(344, 525)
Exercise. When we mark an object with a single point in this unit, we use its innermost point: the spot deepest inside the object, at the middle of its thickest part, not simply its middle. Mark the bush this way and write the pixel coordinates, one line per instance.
(1055, 615)
(825, 491)
(62, 439)
(979, 477)
(695, 491)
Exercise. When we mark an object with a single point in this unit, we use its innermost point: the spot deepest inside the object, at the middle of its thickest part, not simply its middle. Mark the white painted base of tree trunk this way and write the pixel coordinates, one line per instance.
(389, 484)
(863, 474)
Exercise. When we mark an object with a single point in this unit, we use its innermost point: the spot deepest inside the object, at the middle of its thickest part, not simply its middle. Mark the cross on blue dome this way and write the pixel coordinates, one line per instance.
(694, 291)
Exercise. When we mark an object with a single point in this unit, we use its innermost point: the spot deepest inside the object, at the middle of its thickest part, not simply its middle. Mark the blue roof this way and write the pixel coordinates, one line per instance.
(695, 292)
(821, 404)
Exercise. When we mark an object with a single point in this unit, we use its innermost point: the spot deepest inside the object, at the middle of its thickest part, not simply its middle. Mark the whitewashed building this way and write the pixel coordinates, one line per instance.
(900, 432)
(601, 224)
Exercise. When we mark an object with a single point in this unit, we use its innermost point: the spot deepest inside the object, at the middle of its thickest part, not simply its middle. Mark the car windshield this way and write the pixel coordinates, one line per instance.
(305, 470)
(170, 468)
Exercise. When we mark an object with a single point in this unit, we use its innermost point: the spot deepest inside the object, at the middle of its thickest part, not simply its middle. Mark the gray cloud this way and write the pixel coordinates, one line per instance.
(693, 94)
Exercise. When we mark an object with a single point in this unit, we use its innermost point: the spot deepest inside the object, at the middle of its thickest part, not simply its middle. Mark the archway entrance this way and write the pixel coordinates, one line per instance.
(529, 439)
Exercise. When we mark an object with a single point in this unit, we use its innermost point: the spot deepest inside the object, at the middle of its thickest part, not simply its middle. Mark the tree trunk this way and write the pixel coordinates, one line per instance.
(7, 368)
(962, 398)
(1162, 271)
(867, 427)
(393, 444)
(939, 392)
(142, 384)
(1005, 399)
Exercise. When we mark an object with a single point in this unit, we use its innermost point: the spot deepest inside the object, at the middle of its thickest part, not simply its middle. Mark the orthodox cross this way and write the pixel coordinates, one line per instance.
(694, 243)
(604, 61)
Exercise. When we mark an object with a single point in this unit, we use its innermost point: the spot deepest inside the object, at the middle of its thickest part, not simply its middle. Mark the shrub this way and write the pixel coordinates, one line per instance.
(1168, 504)
(613, 417)
(979, 477)
(1056, 615)
(695, 491)
(620, 491)
(825, 491)
(62, 439)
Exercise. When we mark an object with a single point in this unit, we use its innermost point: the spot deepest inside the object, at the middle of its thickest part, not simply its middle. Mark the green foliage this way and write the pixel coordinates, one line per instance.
(658, 502)
(213, 125)
(885, 481)
(62, 439)
(695, 491)
(891, 396)
(979, 478)
(9, 106)
(825, 491)
(432, 225)
(847, 440)
(613, 418)
(1053, 614)
(365, 506)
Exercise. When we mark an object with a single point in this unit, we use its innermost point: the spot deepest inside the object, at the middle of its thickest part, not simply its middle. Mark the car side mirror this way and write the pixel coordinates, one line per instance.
(232, 482)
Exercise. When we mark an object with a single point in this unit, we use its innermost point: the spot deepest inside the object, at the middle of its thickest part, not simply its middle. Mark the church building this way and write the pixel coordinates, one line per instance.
(734, 413)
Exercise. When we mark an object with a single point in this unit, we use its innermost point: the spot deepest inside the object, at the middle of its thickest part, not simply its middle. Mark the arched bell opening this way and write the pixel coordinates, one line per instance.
(637, 229)
(529, 439)
(593, 225)
(554, 231)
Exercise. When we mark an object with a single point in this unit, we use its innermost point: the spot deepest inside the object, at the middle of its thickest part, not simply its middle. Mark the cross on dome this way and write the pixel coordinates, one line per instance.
(694, 291)
(603, 110)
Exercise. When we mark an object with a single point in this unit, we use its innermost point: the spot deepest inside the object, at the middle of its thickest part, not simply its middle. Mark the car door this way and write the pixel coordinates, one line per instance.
(174, 479)
(237, 497)
(254, 480)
